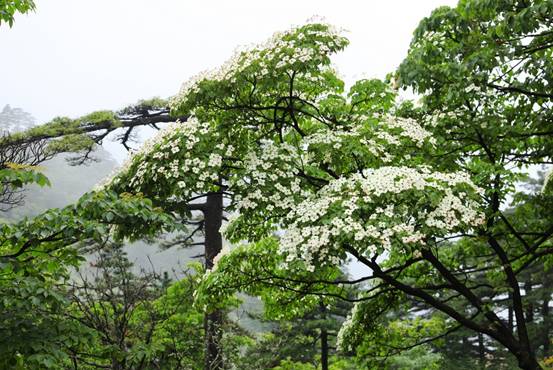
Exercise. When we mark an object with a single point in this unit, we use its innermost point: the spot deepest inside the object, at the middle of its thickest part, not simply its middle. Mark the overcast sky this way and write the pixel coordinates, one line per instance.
(72, 57)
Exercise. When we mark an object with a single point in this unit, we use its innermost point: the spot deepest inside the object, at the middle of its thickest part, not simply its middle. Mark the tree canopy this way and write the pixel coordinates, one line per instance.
(353, 173)
(302, 174)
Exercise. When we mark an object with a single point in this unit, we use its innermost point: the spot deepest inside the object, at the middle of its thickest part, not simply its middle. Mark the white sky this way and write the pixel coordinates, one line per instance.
(72, 57)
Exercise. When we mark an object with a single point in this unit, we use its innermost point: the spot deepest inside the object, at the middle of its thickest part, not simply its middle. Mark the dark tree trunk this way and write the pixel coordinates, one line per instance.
(546, 326)
(510, 313)
(213, 333)
(481, 351)
(324, 349)
(213, 218)
(324, 338)
(530, 305)
(527, 361)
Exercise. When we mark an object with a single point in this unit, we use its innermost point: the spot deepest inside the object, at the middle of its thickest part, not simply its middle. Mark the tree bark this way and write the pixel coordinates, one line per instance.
(213, 334)
(510, 313)
(324, 349)
(530, 306)
(213, 219)
(546, 326)
(481, 351)
(527, 361)
(324, 339)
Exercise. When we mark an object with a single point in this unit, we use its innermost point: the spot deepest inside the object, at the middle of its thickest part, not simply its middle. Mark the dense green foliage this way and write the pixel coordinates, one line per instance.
(36, 257)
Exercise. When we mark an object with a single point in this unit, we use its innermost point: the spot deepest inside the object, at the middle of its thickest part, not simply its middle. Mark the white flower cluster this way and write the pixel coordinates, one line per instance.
(380, 139)
(269, 180)
(411, 129)
(376, 210)
(284, 51)
(148, 146)
(347, 328)
(451, 212)
(183, 159)
(270, 186)
(436, 119)
(339, 139)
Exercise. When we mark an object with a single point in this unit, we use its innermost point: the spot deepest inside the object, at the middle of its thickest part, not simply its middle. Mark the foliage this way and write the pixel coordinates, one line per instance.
(17, 176)
(34, 327)
(335, 364)
(137, 321)
(140, 320)
(498, 52)
(80, 135)
(297, 340)
(8, 8)
(283, 294)
(36, 255)
(93, 217)
(420, 357)
(484, 68)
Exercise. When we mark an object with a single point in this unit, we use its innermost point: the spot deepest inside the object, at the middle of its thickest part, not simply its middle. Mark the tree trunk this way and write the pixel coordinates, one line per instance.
(530, 306)
(324, 349)
(324, 338)
(546, 326)
(527, 361)
(481, 351)
(213, 333)
(510, 313)
(213, 218)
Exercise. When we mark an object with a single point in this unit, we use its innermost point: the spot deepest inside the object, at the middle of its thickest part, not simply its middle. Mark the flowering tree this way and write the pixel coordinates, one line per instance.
(485, 70)
(336, 174)
(313, 174)
(177, 169)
